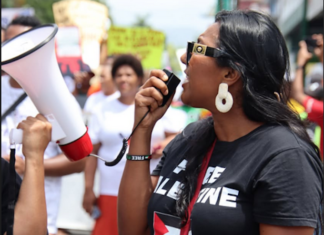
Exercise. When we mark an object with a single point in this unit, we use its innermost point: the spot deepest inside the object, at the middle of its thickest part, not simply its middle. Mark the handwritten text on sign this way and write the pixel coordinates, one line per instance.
(148, 44)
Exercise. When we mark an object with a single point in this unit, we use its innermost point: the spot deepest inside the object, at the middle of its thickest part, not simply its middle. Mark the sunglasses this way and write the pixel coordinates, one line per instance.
(201, 49)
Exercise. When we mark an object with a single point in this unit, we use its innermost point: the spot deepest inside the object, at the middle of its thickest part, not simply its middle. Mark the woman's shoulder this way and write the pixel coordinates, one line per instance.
(191, 133)
(284, 136)
(275, 136)
(276, 139)
(176, 150)
(105, 105)
(95, 97)
(194, 129)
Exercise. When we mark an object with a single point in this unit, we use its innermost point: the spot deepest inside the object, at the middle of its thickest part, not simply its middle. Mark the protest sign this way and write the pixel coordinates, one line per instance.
(146, 43)
(91, 18)
(68, 50)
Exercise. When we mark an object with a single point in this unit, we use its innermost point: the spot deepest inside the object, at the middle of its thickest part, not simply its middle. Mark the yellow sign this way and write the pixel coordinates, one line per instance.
(146, 43)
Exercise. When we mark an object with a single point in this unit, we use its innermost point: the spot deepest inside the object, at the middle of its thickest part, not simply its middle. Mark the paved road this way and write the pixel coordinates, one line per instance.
(71, 214)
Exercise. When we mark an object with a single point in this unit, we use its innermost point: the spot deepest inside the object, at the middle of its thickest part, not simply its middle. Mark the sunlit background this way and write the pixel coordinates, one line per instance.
(157, 31)
(179, 21)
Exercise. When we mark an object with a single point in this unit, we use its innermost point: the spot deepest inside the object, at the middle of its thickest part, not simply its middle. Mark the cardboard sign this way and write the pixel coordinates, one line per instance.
(146, 43)
(88, 15)
(91, 19)
(68, 50)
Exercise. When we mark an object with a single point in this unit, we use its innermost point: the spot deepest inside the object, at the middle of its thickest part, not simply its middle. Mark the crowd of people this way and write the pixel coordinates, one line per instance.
(245, 164)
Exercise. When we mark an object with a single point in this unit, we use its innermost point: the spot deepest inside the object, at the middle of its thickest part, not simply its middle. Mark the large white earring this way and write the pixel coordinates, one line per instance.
(223, 94)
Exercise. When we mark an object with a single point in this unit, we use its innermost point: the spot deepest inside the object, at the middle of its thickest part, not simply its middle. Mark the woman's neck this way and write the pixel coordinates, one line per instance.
(109, 91)
(108, 88)
(233, 125)
(128, 100)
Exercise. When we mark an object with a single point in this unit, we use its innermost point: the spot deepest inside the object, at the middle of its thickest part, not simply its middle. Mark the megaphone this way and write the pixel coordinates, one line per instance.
(30, 59)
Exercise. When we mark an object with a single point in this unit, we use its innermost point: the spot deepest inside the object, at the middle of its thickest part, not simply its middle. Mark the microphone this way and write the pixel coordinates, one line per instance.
(172, 84)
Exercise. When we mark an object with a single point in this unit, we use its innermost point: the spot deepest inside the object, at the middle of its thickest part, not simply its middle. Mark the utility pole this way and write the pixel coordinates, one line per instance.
(303, 28)
(218, 6)
(228, 5)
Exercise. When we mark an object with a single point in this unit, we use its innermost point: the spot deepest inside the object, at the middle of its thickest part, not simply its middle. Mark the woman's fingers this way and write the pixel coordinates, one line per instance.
(153, 93)
(153, 88)
(36, 136)
(41, 117)
(157, 83)
(159, 74)
(149, 98)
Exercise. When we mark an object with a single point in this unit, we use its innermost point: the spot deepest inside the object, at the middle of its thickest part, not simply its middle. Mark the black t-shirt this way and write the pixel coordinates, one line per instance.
(5, 197)
(269, 176)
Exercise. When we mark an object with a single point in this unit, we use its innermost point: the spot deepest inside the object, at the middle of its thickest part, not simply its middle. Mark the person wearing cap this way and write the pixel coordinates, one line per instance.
(82, 79)
(311, 97)
(82, 83)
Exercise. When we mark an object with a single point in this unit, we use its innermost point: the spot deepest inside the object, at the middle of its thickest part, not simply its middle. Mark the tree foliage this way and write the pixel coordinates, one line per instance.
(43, 8)
(173, 59)
(142, 21)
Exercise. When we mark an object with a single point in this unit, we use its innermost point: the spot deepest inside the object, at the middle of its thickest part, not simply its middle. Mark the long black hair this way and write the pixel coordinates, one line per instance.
(257, 50)
(28, 21)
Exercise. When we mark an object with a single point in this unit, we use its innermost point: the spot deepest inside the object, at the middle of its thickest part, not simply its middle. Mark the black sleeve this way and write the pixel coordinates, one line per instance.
(178, 145)
(5, 192)
(280, 201)
(169, 148)
(158, 168)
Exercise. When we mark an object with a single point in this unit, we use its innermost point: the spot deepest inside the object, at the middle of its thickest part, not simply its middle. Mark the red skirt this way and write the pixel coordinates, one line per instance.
(106, 224)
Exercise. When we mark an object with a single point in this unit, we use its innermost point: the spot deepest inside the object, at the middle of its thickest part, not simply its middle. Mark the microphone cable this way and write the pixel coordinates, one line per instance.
(123, 149)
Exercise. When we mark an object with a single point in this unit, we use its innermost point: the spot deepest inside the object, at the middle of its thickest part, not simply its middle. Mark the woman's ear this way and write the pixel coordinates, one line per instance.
(231, 76)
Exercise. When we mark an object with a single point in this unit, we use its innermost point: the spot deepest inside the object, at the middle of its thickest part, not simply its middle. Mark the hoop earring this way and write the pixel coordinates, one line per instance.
(223, 94)
(277, 95)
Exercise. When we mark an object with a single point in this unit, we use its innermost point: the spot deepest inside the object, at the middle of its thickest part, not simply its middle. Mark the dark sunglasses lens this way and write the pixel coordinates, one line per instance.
(189, 51)
(188, 56)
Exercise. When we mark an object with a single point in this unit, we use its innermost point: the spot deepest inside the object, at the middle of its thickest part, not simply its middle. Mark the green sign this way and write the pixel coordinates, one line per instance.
(146, 43)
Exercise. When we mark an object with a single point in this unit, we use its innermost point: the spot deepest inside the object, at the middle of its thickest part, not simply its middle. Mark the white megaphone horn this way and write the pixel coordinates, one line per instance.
(30, 59)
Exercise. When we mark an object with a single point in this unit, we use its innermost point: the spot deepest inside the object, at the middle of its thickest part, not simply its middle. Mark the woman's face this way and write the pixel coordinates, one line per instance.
(126, 80)
(203, 74)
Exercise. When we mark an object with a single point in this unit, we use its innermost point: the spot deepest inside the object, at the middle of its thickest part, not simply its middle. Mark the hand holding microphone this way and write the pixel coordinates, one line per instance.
(151, 102)
(156, 94)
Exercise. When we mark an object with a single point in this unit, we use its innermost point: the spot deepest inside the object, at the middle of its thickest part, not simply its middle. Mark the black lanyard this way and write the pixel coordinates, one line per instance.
(12, 191)
(123, 149)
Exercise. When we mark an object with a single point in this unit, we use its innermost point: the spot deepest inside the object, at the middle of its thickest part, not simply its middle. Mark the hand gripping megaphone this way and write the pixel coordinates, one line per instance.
(30, 59)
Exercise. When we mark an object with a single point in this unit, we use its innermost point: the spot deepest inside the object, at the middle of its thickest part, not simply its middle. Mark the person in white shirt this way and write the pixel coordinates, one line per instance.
(55, 162)
(112, 121)
(107, 91)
